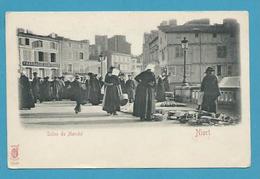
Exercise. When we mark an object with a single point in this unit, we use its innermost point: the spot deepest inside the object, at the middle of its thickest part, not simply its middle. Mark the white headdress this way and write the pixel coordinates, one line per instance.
(151, 67)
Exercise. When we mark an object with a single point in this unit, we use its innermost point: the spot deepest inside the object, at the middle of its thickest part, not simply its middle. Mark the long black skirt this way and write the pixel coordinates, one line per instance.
(209, 103)
(111, 101)
(144, 105)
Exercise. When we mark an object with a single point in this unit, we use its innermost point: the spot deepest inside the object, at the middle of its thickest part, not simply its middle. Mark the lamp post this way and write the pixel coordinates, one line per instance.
(101, 59)
(184, 45)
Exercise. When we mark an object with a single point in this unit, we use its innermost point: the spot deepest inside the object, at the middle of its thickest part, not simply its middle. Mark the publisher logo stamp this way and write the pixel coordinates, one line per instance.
(14, 154)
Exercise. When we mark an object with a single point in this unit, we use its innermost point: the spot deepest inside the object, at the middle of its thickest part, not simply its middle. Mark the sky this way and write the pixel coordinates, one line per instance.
(85, 25)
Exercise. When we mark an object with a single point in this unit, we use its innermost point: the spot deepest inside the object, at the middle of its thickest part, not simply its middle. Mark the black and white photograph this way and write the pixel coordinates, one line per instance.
(128, 89)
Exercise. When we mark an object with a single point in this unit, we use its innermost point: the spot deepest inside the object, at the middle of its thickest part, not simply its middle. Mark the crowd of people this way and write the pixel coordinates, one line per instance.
(140, 91)
(144, 90)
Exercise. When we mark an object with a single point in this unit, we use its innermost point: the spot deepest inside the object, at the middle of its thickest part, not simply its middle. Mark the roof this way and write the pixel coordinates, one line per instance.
(217, 28)
(36, 36)
(230, 82)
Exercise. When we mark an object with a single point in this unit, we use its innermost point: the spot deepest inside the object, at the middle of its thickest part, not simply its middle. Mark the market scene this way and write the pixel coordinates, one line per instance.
(187, 74)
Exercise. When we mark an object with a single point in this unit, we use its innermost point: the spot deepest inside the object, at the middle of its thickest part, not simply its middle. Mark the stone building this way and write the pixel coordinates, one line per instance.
(208, 45)
(74, 56)
(38, 53)
(118, 44)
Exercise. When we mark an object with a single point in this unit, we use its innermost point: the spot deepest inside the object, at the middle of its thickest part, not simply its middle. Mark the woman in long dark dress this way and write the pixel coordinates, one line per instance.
(94, 90)
(160, 90)
(111, 101)
(144, 104)
(25, 93)
(45, 90)
(211, 91)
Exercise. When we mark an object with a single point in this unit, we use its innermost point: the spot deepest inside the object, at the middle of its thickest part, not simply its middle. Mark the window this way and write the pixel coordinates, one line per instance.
(178, 51)
(29, 73)
(27, 41)
(21, 41)
(53, 73)
(37, 43)
(196, 35)
(229, 70)
(219, 70)
(172, 70)
(81, 45)
(40, 57)
(214, 35)
(41, 73)
(81, 56)
(27, 55)
(222, 51)
(53, 57)
(53, 45)
(70, 68)
(69, 44)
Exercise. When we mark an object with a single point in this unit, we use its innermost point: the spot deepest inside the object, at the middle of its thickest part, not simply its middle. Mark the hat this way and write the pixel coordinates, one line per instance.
(35, 72)
(76, 76)
(209, 69)
(46, 78)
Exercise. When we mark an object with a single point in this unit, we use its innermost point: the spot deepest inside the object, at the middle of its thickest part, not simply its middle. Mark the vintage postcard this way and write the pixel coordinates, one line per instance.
(128, 89)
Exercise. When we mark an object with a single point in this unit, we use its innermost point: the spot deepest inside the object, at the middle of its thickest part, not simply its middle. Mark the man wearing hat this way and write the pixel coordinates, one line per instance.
(36, 87)
(130, 88)
(77, 93)
(122, 82)
(211, 91)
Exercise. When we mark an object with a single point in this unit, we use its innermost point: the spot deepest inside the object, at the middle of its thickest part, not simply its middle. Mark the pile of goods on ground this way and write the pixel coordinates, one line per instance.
(171, 104)
(199, 117)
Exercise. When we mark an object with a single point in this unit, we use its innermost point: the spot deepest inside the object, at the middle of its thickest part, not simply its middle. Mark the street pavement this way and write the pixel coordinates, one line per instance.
(62, 113)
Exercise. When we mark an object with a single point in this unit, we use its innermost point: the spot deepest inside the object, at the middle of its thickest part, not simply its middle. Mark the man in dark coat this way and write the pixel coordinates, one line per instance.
(160, 90)
(25, 93)
(56, 87)
(144, 104)
(77, 92)
(45, 90)
(211, 91)
(36, 87)
(62, 87)
(122, 82)
(130, 88)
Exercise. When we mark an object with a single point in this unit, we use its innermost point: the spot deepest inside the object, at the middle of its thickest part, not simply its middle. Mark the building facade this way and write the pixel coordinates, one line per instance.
(74, 56)
(39, 54)
(151, 50)
(124, 62)
(119, 44)
(215, 45)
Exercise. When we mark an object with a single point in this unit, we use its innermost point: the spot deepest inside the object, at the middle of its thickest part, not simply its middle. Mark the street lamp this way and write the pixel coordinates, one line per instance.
(101, 59)
(184, 45)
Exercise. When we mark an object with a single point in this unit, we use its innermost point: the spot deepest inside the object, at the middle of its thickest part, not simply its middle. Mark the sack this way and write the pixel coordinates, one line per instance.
(123, 96)
(123, 99)
(200, 98)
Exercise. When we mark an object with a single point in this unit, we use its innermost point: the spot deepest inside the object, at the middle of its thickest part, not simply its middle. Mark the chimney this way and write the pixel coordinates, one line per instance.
(173, 22)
